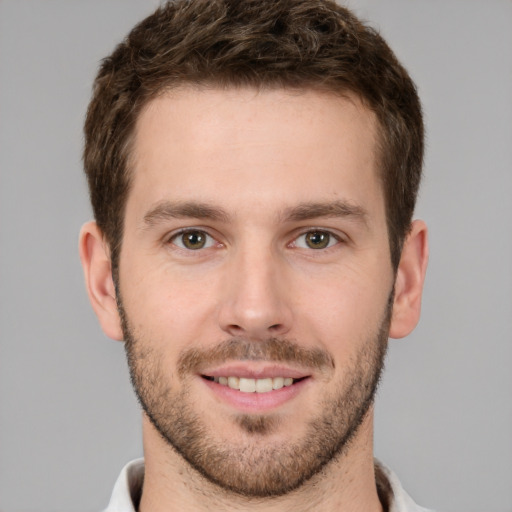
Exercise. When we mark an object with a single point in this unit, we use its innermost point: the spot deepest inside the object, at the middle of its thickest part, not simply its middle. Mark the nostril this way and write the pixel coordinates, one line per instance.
(235, 330)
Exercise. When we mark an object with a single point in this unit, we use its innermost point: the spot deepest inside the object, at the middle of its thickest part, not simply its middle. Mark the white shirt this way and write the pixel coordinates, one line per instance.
(128, 487)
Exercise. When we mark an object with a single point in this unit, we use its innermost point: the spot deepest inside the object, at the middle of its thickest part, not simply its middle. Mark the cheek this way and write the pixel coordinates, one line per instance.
(345, 311)
(166, 308)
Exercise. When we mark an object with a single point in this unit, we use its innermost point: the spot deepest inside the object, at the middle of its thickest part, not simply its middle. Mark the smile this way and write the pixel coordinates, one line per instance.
(255, 388)
(247, 385)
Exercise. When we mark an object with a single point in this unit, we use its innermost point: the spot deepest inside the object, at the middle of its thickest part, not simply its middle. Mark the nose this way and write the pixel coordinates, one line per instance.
(255, 299)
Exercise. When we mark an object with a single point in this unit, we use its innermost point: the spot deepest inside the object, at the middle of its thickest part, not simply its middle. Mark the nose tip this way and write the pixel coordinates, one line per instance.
(255, 303)
(255, 328)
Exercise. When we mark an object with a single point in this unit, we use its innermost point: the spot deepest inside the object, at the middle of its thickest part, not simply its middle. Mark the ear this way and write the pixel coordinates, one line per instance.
(409, 281)
(95, 257)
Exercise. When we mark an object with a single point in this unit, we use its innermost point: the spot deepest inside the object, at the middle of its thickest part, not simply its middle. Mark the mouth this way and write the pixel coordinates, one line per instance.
(255, 388)
(253, 385)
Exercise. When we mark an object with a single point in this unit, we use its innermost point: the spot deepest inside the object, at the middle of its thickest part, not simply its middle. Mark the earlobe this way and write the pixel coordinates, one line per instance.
(409, 281)
(95, 258)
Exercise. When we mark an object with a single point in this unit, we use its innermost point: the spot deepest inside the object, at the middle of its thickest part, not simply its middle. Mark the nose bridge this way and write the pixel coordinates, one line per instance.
(255, 303)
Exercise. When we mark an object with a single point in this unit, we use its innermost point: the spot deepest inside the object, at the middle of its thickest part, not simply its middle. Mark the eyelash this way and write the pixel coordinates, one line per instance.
(210, 240)
(333, 239)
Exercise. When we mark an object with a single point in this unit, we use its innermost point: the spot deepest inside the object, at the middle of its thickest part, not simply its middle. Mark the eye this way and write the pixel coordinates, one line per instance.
(192, 240)
(316, 239)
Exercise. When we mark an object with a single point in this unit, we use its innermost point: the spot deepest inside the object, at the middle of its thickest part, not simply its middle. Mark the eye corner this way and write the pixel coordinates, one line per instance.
(191, 239)
(316, 239)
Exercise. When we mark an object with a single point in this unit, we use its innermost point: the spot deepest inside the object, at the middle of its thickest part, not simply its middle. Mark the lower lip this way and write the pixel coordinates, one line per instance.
(255, 402)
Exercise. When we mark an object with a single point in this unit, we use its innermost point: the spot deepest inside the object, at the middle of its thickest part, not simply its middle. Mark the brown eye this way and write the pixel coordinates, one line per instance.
(193, 240)
(316, 239)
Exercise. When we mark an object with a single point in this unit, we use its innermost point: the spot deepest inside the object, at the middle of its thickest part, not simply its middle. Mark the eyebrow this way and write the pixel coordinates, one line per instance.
(313, 210)
(166, 210)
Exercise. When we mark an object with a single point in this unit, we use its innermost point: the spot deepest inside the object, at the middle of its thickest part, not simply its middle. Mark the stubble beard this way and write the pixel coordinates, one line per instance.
(258, 468)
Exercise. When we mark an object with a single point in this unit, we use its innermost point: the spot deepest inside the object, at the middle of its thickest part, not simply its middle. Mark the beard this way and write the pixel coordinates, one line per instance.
(257, 467)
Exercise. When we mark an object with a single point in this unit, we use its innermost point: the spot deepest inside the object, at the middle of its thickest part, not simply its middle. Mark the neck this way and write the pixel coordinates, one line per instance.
(347, 483)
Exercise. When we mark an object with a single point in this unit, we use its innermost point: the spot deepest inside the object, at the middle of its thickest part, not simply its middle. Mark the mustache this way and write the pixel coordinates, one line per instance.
(273, 349)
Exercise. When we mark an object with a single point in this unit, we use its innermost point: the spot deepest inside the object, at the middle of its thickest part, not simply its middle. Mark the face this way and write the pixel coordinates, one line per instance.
(255, 280)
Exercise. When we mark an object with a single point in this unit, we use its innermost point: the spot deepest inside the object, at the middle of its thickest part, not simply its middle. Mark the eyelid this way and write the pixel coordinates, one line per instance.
(337, 237)
(171, 237)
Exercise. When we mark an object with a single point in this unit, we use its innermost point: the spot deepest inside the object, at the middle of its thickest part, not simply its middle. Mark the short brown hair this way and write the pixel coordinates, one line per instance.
(306, 44)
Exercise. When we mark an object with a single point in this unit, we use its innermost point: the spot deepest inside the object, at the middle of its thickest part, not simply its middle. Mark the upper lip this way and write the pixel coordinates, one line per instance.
(254, 370)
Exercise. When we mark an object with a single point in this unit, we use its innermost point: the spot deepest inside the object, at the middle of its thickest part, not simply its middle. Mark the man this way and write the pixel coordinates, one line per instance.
(253, 167)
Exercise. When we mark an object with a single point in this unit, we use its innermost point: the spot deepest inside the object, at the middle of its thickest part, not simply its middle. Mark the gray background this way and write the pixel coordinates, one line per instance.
(68, 420)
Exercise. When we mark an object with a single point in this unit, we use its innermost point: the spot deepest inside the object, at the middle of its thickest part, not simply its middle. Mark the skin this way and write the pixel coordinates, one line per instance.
(256, 156)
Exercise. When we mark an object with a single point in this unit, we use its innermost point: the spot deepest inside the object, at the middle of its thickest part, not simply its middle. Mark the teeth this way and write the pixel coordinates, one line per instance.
(247, 385)
(278, 383)
(234, 382)
(254, 385)
(263, 385)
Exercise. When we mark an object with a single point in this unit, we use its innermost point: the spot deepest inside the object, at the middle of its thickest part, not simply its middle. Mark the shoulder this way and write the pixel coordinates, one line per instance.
(392, 493)
(128, 487)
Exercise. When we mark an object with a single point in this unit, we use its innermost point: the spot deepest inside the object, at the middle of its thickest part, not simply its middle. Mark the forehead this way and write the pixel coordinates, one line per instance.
(254, 145)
